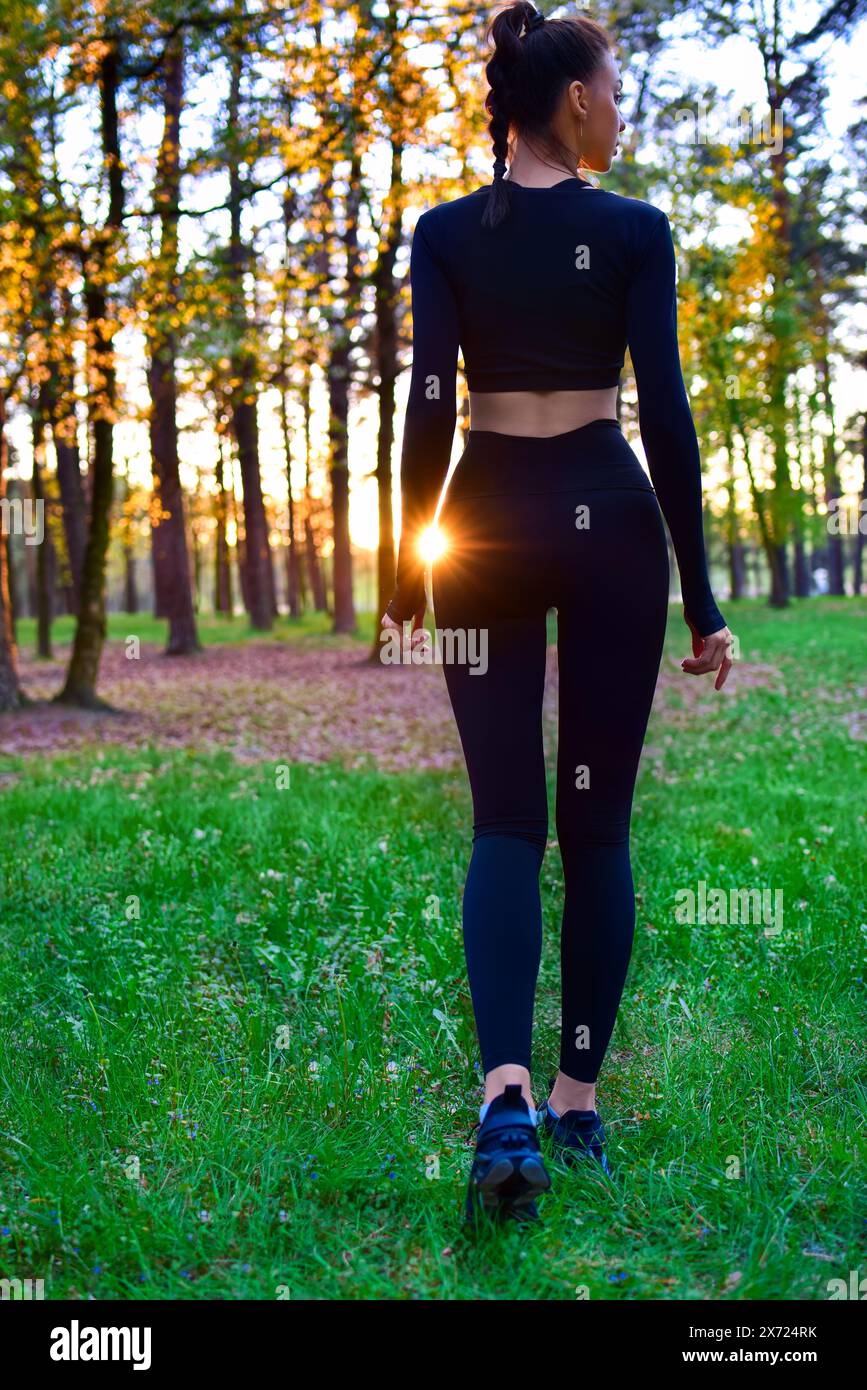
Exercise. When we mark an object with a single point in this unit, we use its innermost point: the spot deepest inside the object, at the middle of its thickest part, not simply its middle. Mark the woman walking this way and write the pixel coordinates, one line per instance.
(543, 279)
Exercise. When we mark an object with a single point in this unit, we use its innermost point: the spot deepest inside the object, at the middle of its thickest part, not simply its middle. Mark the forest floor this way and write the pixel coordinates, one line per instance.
(300, 695)
(237, 1043)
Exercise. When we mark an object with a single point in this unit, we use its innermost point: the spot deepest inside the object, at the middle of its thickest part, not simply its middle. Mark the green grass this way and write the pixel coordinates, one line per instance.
(238, 1054)
(213, 629)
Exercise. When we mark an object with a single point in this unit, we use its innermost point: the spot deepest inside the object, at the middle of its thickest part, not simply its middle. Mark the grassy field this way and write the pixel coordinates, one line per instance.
(237, 1049)
(213, 628)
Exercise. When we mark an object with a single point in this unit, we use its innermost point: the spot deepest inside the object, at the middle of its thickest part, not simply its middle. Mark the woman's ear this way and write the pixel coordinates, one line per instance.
(577, 99)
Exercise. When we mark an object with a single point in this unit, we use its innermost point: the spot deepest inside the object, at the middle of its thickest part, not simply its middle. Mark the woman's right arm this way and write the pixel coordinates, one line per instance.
(665, 419)
(431, 414)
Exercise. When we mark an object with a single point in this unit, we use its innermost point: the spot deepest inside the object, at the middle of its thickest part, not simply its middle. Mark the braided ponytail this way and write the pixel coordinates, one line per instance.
(505, 30)
(533, 60)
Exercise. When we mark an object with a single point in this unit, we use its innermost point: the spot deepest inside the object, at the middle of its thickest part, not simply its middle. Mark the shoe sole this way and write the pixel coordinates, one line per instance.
(509, 1187)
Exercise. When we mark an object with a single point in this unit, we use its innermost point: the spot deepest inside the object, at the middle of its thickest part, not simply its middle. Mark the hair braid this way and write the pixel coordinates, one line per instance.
(533, 59)
(505, 30)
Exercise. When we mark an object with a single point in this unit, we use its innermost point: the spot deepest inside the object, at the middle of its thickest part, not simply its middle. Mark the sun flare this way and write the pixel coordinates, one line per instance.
(432, 544)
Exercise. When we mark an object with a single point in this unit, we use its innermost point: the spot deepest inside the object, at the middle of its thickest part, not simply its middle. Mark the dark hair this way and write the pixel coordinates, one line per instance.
(526, 76)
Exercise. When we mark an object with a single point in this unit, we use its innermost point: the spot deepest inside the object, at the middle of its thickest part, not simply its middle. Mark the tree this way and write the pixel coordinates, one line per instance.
(98, 250)
(171, 562)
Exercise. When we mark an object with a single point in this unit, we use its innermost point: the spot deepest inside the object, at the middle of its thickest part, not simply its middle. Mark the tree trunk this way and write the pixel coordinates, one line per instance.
(781, 506)
(803, 586)
(833, 540)
(81, 677)
(44, 566)
(861, 523)
(12, 580)
(258, 583)
(223, 584)
(240, 545)
(386, 293)
(90, 631)
(314, 569)
(74, 520)
(338, 423)
(10, 690)
(60, 409)
(171, 561)
(130, 587)
(292, 565)
(291, 552)
(775, 555)
(734, 547)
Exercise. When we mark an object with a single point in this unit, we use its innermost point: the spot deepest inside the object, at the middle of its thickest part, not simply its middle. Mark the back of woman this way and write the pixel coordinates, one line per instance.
(543, 280)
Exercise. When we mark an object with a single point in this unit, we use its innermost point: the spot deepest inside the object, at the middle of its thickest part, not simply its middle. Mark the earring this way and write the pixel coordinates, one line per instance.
(594, 182)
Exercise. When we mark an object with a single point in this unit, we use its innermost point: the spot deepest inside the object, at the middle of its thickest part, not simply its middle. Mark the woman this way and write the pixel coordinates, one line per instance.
(543, 279)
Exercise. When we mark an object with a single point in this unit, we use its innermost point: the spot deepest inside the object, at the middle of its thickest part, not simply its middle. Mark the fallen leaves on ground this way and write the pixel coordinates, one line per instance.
(262, 701)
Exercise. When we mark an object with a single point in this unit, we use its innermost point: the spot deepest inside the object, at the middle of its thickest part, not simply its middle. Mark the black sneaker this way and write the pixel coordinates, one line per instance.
(507, 1173)
(577, 1134)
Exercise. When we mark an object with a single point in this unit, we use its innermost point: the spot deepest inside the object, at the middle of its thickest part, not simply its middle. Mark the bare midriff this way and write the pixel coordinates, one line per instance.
(540, 412)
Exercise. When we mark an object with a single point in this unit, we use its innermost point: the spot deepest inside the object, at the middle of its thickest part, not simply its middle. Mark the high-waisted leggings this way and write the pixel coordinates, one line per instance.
(572, 522)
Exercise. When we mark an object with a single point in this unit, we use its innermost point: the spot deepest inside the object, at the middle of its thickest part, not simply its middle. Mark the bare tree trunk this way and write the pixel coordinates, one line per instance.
(130, 587)
(292, 566)
(764, 514)
(171, 561)
(44, 566)
(81, 677)
(10, 690)
(314, 569)
(258, 584)
(861, 525)
(14, 596)
(734, 545)
(781, 506)
(223, 584)
(80, 686)
(60, 409)
(386, 300)
(240, 545)
(802, 567)
(833, 541)
(74, 520)
(197, 568)
(338, 401)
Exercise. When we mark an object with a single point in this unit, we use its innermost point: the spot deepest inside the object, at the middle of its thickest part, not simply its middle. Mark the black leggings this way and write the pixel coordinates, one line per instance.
(571, 522)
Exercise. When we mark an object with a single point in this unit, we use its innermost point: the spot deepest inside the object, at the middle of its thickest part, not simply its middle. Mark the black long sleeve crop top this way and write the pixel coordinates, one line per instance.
(549, 300)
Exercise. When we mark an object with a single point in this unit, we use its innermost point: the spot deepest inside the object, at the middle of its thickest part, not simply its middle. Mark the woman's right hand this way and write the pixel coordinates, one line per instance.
(708, 653)
(418, 633)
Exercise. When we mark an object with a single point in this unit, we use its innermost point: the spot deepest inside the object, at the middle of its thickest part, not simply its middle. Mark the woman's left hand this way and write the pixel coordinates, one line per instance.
(708, 653)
